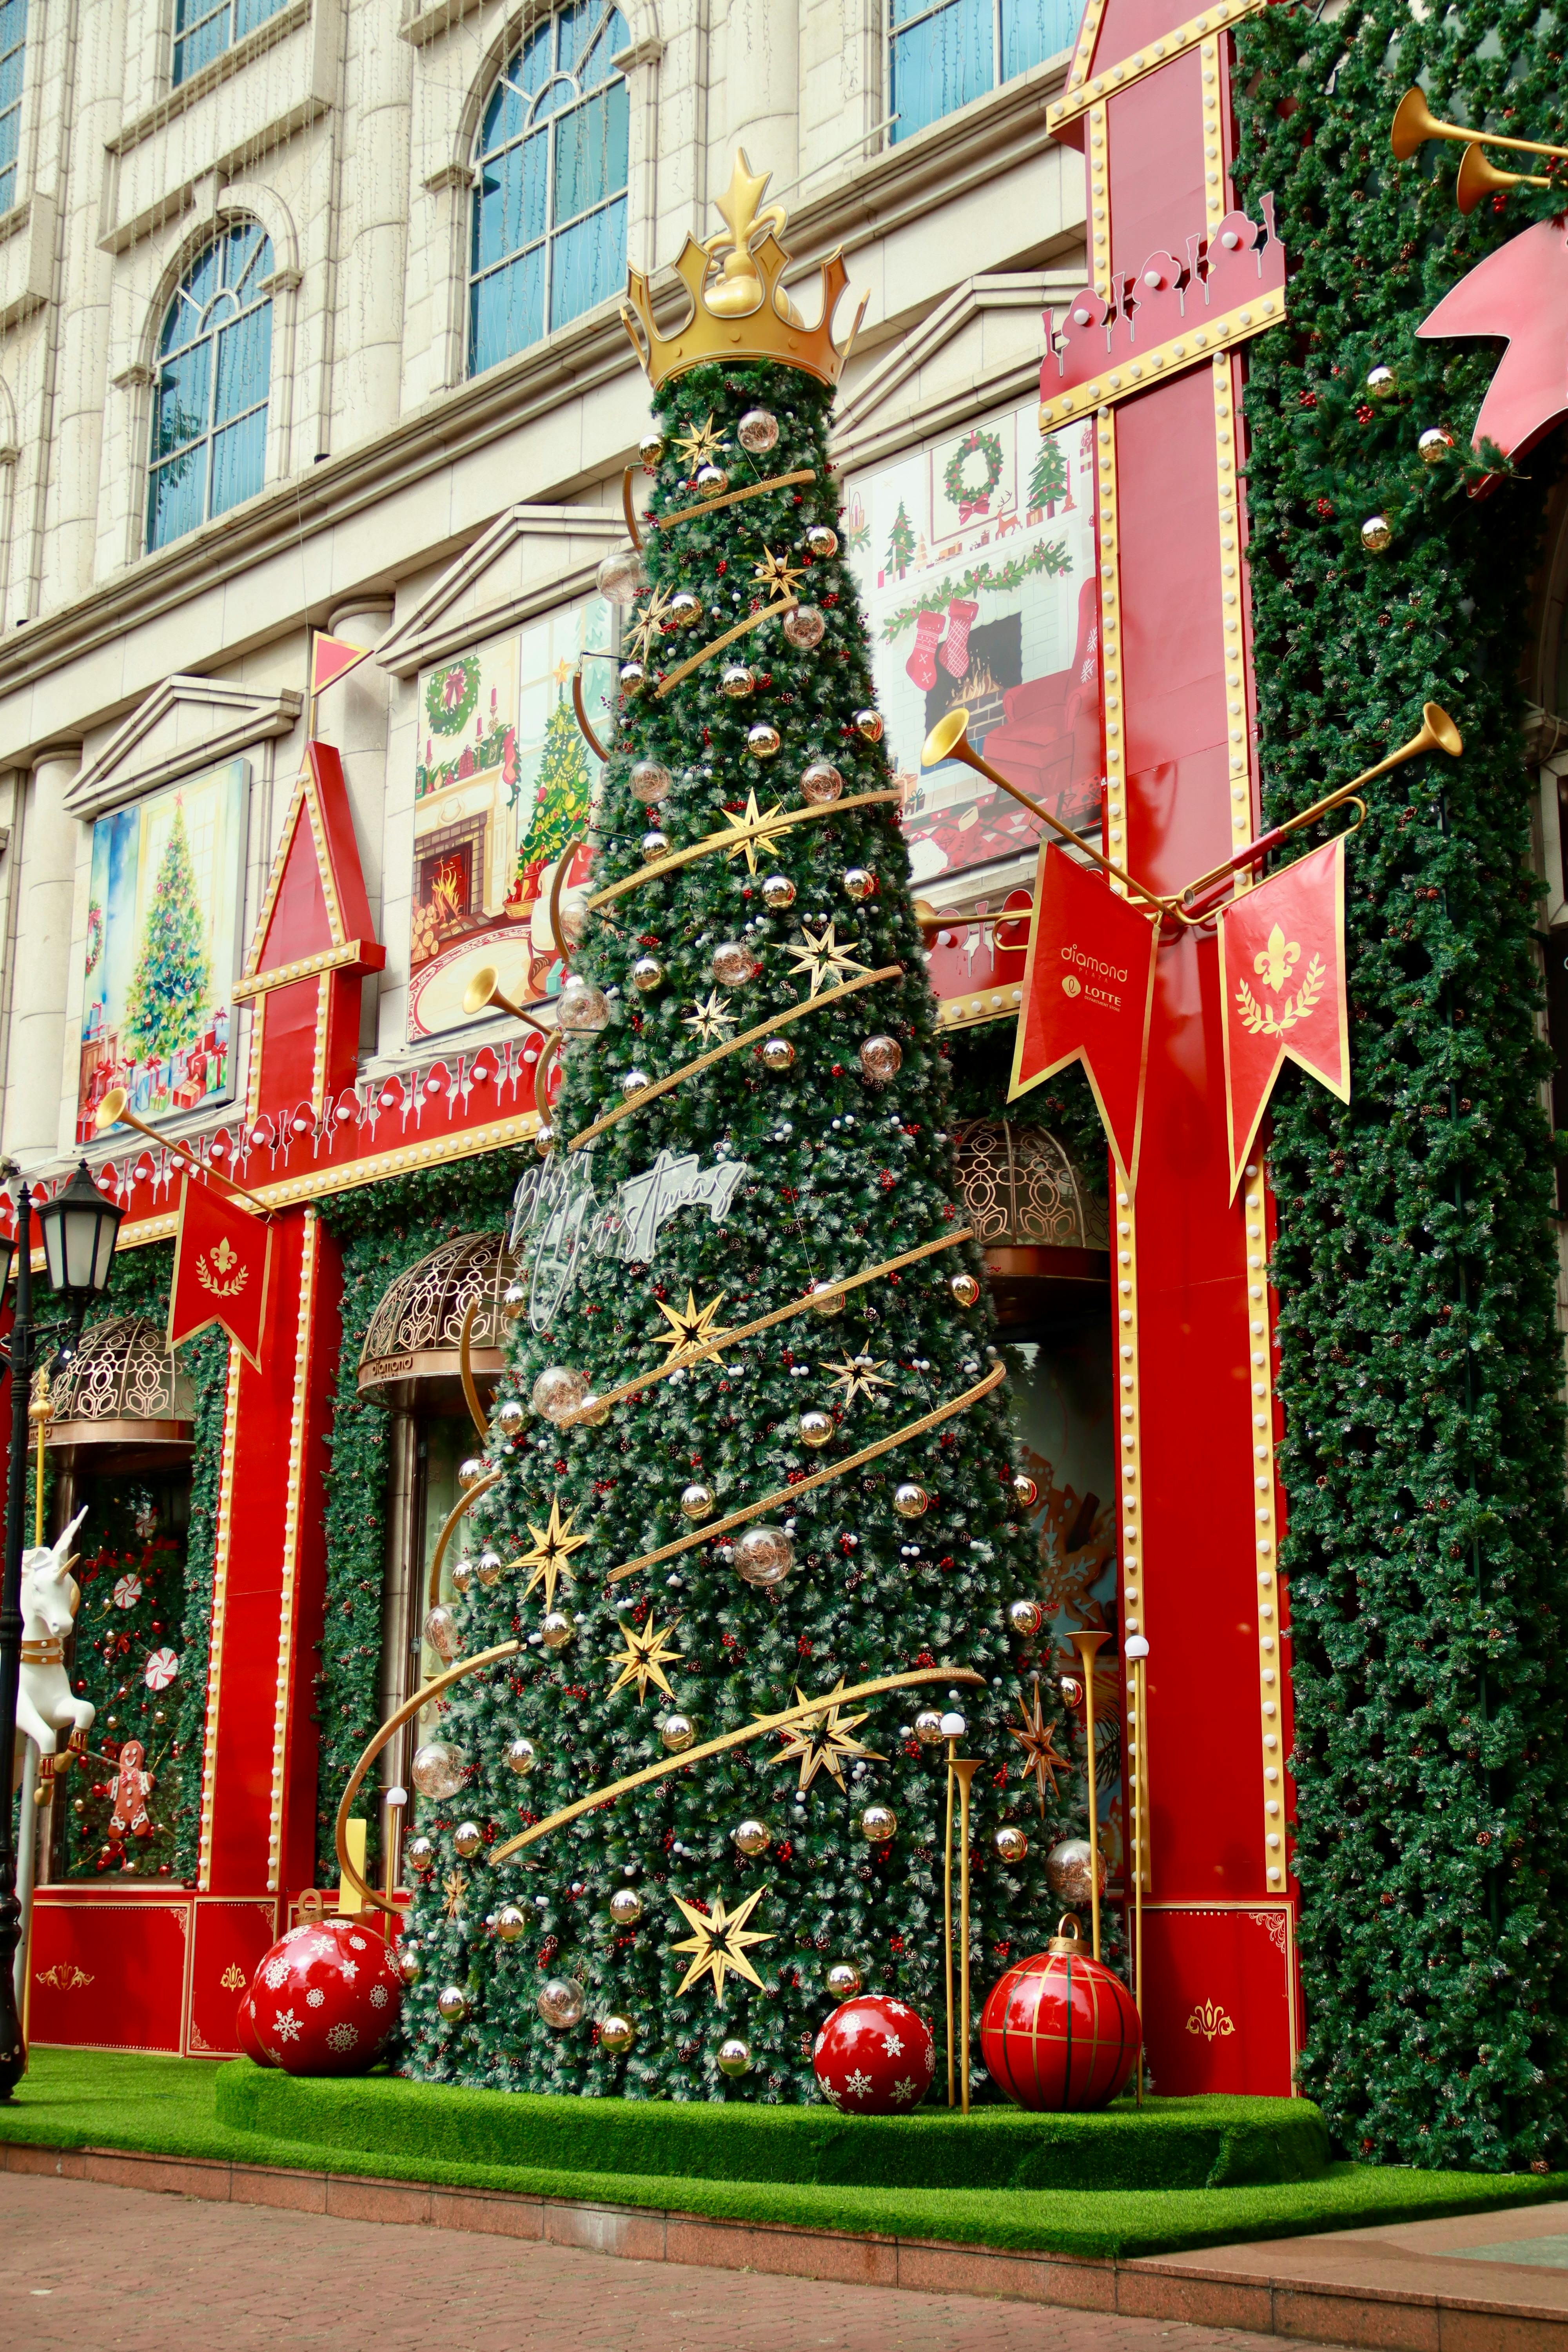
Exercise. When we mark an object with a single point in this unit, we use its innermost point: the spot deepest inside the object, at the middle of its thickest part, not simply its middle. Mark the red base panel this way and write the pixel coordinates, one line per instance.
(1219, 1998)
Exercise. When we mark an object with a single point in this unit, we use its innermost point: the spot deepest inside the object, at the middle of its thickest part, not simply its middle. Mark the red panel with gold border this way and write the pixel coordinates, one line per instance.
(1219, 1996)
(108, 1971)
(228, 1941)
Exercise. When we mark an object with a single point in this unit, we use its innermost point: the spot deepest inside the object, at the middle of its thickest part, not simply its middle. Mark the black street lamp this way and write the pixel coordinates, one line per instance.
(79, 1230)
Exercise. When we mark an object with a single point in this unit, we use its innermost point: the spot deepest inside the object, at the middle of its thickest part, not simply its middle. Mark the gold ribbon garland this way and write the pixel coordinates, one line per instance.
(818, 1479)
(695, 661)
(717, 1053)
(766, 828)
(730, 498)
(669, 1765)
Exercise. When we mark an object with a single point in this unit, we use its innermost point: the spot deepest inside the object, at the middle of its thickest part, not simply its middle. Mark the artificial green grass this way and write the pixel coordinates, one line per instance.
(1211, 2143)
(168, 2106)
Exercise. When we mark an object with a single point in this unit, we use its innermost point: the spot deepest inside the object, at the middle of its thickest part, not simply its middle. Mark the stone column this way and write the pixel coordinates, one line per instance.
(373, 269)
(353, 715)
(40, 1016)
(758, 106)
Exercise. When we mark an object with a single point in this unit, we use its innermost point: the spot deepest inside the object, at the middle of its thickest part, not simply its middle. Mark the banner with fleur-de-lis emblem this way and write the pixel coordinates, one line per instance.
(223, 1266)
(1282, 987)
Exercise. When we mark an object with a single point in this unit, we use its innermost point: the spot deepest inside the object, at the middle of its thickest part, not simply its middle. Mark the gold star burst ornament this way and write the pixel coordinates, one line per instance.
(719, 1941)
(645, 1657)
(547, 1556)
(693, 1337)
(701, 442)
(858, 1376)
(822, 1741)
(707, 1019)
(752, 826)
(1036, 1736)
(819, 957)
(776, 575)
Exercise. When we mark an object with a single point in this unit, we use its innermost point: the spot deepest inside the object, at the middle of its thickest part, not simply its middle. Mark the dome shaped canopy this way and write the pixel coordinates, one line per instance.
(416, 1331)
(123, 1386)
(1022, 1189)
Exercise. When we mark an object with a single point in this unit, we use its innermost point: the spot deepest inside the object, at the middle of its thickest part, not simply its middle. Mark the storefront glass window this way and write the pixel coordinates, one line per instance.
(13, 52)
(203, 32)
(214, 361)
(941, 57)
(550, 210)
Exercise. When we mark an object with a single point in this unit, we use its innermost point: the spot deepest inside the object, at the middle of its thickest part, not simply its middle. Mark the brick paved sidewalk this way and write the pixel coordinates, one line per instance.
(94, 2269)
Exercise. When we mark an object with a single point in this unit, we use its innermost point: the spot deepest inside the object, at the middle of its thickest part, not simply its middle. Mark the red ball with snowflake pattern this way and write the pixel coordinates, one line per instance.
(325, 1999)
(874, 2056)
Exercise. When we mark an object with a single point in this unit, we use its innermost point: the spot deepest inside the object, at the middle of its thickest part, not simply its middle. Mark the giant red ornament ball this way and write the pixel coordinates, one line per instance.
(874, 2056)
(247, 2033)
(325, 2000)
(1059, 2030)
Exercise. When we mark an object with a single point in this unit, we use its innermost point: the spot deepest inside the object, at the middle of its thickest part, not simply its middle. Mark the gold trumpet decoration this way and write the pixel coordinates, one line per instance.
(1086, 1643)
(1437, 732)
(115, 1110)
(1415, 123)
(485, 990)
(960, 1771)
(949, 740)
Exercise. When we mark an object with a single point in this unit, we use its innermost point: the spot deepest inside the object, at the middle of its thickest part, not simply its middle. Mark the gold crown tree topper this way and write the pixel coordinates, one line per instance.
(740, 309)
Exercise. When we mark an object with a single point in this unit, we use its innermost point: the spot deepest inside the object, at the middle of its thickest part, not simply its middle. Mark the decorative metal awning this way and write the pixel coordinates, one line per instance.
(123, 1386)
(416, 1331)
(1046, 1237)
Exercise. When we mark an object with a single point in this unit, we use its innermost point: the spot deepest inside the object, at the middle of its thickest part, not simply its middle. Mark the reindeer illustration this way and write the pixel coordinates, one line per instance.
(45, 1702)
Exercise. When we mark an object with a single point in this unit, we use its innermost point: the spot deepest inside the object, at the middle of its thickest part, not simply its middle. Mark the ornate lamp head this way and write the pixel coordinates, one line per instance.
(739, 308)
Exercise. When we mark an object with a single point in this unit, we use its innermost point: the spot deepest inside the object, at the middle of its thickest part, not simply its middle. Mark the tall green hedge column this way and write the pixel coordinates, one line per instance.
(1420, 1362)
(817, 1151)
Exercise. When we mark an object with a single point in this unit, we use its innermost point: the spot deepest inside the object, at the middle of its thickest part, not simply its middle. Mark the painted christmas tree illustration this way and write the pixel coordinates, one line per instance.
(172, 982)
(1048, 481)
(900, 543)
(752, 1458)
(561, 801)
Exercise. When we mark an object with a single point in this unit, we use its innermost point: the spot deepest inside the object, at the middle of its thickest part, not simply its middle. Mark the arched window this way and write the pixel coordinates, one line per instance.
(13, 54)
(550, 211)
(943, 53)
(215, 357)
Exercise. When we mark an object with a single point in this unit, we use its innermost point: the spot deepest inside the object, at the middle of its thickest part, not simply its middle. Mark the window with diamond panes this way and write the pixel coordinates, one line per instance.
(209, 415)
(942, 56)
(203, 32)
(549, 209)
(13, 56)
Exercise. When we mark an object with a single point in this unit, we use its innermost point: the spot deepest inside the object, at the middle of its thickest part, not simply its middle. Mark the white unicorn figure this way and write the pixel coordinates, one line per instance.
(45, 1705)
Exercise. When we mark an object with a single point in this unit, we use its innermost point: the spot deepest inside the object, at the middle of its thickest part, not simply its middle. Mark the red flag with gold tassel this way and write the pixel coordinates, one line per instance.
(223, 1267)
(1282, 990)
(1089, 989)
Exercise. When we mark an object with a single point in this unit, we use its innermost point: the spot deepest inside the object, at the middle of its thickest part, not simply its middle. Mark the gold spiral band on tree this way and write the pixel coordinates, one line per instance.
(733, 1046)
(813, 1300)
(818, 1479)
(695, 661)
(394, 1723)
(756, 1729)
(466, 1502)
(730, 498)
(740, 836)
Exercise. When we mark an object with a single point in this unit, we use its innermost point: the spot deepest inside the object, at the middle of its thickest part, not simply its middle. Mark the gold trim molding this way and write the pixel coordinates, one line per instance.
(1130, 377)
(1082, 91)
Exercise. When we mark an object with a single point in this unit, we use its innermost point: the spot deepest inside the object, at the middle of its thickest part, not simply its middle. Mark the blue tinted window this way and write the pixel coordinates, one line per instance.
(943, 53)
(209, 403)
(13, 50)
(203, 32)
(549, 238)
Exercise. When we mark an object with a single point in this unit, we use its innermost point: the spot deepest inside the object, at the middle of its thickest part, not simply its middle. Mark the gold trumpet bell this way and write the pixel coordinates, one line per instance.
(1439, 732)
(946, 740)
(1478, 179)
(1413, 123)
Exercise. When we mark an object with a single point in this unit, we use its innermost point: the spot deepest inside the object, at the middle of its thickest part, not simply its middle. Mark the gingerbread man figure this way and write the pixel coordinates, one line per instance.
(133, 1786)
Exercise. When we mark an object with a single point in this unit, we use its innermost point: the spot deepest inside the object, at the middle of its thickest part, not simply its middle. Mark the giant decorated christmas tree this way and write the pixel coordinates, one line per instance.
(752, 1458)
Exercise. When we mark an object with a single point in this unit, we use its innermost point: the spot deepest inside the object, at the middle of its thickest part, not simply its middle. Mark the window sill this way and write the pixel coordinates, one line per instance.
(15, 219)
(218, 70)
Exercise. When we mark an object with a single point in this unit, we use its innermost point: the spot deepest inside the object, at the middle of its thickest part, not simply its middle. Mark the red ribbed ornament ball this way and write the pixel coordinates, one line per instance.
(325, 2000)
(874, 2056)
(1058, 2031)
(248, 2033)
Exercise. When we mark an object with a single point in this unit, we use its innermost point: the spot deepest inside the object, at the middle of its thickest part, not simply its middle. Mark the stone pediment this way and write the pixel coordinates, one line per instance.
(982, 345)
(185, 725)
(530, 559)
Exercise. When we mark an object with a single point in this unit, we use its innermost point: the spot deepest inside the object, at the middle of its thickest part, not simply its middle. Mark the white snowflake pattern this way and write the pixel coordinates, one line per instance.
(834, 2098)
(286, 2025)
(904, 2090)
(898, 2009)
(294, 1935)
(378, 1996)
(314, 1998)
(858, 2085)
(892, 2045)
(276, 1973)
(356, 1943)
(342, 2037)
(816, 2047)
(351, 1969)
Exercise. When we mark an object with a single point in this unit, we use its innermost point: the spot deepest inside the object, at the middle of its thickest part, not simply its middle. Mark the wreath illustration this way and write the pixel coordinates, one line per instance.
(450, 696)
(970, 498)
(1269, 1020)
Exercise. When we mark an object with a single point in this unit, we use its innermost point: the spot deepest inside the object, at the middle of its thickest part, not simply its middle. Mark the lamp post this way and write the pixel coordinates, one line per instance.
(79, 1229)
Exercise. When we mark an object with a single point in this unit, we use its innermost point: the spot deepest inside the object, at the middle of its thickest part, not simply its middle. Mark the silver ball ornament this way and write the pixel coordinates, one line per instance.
(822, 542)
(685, 609)
(647, 973)
(859, 882)
(911, 1499)
(843, 1979)
(778, 893)
(521, 1756)
(654, 844)
(1011, 1845)
(820, 782)
(816, 1427)
(734, 2057)
(650, 448)
(1376, 534)
(467, 1838)
(697, 1500)
(556, 1629)
(510, 1923)
(826, 1300)
(419, 1854)
(561, 2001)
(678, 1732)
(751, 1837)
(878, 1824)
(615, 2034)
(737, 680)
(1025, 1618)
(965, 1290)
(452, 2004)
(761, 741)
(777, 1055)
(928, 1727)
(711, 482)
(868, 724)
(625, 1907)
(758, 432)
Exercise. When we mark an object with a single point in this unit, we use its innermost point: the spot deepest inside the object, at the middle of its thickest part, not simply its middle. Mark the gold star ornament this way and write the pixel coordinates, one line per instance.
(822, 1741)
(693, 1337)
(1036, 1736)
(776, 575)
(819, 957)
(698, 444)
(651, 623)
(708, 1019)
(645, 1657)
(752, 827)
(547, 1556)
(858, 1376)
(719, 1941)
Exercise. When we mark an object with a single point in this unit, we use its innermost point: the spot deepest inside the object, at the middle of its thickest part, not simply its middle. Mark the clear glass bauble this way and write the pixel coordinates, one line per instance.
(649, 780)
(821, 784)
(881, 1057)
(558, 1390)
(561, 2001)
(804, 627)
(758, 432)
(437, 1771)
(764, 1556)
(623, 576)
(582, 1009)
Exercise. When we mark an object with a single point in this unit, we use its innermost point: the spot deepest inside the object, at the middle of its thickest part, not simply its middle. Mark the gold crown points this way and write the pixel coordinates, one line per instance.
(740, 309)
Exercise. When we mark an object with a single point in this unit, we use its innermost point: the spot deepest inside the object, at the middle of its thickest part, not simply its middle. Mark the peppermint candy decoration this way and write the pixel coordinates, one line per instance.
(160, 1670)
(127, 1592)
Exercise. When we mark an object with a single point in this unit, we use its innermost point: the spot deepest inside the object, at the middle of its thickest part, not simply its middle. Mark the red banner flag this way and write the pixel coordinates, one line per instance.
(1089, 989)
(1282, 988)
(331, 658)
(223, 1266)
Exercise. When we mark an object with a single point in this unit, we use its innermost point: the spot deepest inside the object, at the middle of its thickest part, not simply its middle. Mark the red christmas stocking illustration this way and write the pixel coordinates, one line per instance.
(921, 664)
(955, 645)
